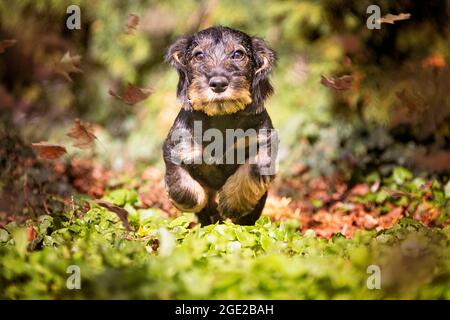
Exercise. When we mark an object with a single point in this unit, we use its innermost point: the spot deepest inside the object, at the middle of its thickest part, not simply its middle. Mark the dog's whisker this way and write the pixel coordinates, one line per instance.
(211, 100)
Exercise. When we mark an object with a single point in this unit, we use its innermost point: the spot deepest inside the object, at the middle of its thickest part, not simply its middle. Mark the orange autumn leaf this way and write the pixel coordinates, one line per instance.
(435, 60)
(48, 151)
(341, 83)
(82, 133)
(132, 23)
(5, 44)
(31, 233)
(68, 64)
(132, 94)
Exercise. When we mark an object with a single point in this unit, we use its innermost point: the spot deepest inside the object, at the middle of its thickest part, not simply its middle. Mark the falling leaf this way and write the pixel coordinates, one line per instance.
(341, 83)
(121, 212)
(132, 23)
(435, 60)
(5, 44)
(391, 18)
(82, 133)
(49, 151)
(68, 64)
(132, 94)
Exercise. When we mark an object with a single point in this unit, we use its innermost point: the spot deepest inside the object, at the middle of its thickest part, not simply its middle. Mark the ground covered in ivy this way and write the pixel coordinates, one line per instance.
(129, 250)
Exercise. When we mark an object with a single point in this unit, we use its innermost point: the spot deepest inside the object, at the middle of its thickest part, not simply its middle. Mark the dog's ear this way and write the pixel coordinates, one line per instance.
(264, 57)
(175, 56)
(175, 53)
(265, 60)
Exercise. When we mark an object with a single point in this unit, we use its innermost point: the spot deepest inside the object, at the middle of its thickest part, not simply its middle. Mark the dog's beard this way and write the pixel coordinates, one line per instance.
(214, 104)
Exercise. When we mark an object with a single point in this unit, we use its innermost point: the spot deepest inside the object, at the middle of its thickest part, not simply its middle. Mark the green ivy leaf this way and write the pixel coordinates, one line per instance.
(266, 242)
(245, 238)
(4, 235)
(401, 174)
(120, 197)
(20, 240)
(45, 222)
(447, 190)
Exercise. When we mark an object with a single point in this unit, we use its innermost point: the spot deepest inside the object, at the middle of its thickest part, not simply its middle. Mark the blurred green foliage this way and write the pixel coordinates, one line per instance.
(173, 258)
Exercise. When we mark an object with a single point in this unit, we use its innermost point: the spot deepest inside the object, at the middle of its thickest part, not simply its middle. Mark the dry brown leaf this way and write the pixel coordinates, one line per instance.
(391, 18)
(397, 193)
(68, 64)
(132, 94)
(360, 189)
(82, 133)
(121, 212)
(132, 23)
(49, 151)
(5, 44)
(89, 176)
(341, 83)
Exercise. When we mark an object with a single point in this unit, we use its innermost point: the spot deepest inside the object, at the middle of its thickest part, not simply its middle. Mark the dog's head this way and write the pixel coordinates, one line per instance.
(222, 71)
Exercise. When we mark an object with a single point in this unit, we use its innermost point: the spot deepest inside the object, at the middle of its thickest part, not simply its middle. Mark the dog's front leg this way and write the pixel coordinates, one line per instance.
(185, 193)
(243, 190)
(243, 195)
(181, 151)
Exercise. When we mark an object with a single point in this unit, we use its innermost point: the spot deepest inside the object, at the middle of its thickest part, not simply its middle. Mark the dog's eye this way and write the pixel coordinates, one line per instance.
(238, 55)
(199, 55)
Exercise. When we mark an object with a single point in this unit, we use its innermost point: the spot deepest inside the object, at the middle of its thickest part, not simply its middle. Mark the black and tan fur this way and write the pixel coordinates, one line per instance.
(219, 191)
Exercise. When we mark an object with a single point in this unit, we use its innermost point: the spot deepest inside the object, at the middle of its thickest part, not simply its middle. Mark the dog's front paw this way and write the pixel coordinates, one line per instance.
(185, 193)
(188, 198)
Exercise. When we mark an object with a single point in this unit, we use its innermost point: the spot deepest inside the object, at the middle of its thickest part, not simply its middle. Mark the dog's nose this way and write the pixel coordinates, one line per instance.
(218, 84)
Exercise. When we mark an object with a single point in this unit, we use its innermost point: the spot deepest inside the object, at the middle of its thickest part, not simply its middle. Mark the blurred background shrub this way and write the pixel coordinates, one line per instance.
(397, 111)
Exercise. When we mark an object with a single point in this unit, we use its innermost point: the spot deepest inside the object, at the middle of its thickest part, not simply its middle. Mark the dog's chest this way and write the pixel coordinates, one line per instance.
(220, 142)
(212, 176)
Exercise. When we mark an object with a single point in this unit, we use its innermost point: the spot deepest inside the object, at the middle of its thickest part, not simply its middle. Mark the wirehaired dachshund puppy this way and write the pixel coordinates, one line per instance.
(223, 83)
